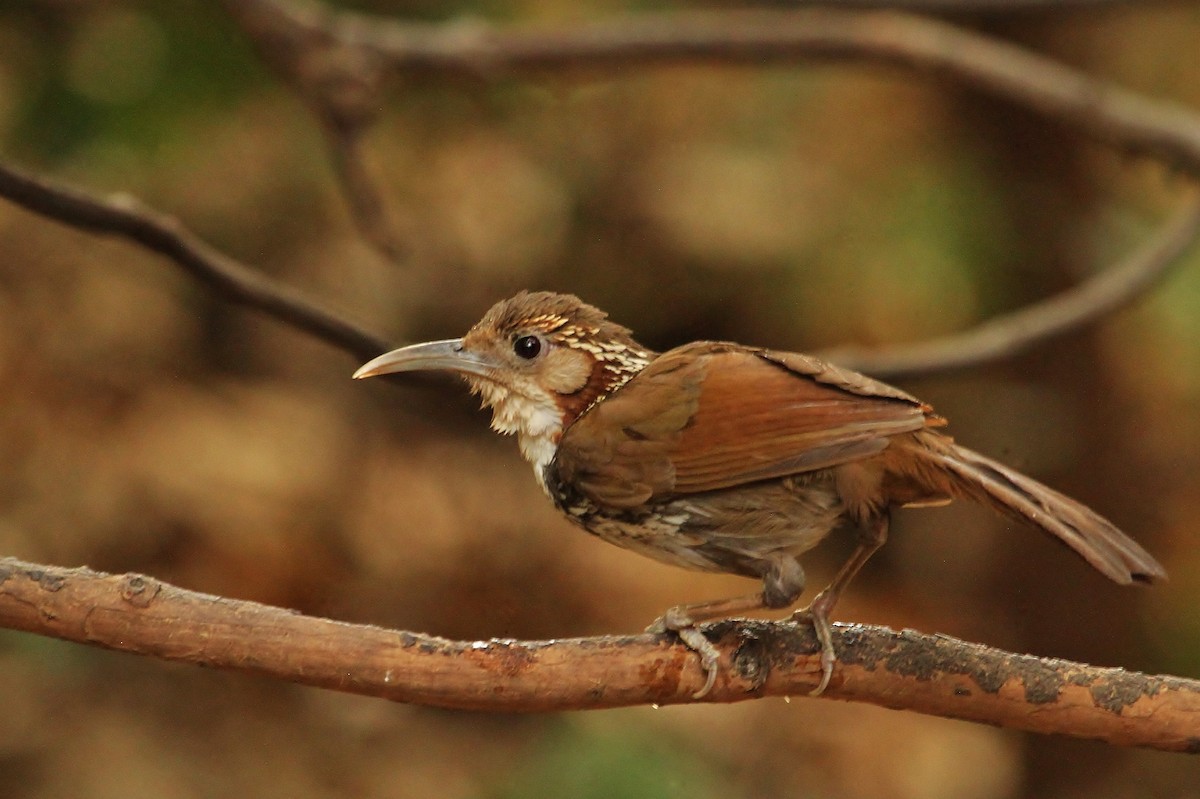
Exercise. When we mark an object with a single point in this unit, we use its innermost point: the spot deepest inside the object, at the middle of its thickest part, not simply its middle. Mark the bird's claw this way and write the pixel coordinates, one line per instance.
(817, 617)
(683, 626)
(709, 657)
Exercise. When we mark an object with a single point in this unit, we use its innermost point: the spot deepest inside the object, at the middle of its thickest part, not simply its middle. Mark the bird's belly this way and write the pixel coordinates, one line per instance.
(735, 530)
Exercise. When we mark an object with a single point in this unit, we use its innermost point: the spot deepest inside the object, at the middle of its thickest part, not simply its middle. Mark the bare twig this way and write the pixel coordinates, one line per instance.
(342, 85)
(320, 49)
(337, 63)
(476, 51)
(973, 6)
(928, 674)
(1005, 336)
(128, 218)
(993, 340)
(368, 208)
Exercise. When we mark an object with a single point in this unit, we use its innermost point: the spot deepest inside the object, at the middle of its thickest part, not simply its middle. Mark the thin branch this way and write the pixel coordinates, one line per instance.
(363, 46)
(993, 340)
(342, 85)
(126, 217)
(926, 673)
(368, 208)
(321, 50)
(337, 63)
(976, 6)
(309, 32)
(991, 7)
(1005, 336)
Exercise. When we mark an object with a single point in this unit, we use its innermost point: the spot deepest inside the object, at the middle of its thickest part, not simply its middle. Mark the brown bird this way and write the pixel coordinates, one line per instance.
(727, 458)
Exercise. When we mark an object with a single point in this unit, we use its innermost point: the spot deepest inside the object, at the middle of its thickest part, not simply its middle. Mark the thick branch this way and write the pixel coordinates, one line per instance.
(928, 674)
(1004, 336)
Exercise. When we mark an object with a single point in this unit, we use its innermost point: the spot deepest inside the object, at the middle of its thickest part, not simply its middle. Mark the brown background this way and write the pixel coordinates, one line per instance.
(146, 425)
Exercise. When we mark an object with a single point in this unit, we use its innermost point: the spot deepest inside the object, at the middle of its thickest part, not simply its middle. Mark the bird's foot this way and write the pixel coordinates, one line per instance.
(817, 614)
(678, 621)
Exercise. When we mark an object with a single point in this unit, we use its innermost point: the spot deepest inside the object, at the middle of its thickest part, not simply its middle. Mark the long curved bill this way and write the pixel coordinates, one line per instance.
(447, 355)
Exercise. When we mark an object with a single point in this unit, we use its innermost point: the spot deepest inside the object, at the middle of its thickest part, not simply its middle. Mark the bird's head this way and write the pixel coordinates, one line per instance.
(538, 360)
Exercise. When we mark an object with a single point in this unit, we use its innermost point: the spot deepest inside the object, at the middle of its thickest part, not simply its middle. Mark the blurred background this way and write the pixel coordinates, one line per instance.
(147, 425)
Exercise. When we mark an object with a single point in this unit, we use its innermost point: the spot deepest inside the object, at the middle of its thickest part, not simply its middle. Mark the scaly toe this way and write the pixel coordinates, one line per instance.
(824, 632)
(674, 620)
(709, 657)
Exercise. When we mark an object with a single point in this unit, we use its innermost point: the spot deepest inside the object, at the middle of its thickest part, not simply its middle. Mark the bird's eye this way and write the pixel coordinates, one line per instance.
(527, 347)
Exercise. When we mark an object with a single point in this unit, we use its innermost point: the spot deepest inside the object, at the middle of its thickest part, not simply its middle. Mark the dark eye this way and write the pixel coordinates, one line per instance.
(527, 347)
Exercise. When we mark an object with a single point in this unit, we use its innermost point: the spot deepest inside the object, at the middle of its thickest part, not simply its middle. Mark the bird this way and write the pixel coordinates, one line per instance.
(722, 457)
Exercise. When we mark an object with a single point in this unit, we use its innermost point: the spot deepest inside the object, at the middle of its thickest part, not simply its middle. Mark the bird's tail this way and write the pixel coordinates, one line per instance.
(1096, 539)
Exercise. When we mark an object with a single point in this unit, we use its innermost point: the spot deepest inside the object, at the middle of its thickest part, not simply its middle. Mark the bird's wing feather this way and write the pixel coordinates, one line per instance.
(709, 415)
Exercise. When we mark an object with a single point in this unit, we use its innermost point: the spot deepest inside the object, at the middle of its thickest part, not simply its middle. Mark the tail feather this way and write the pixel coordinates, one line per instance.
(1097, 540)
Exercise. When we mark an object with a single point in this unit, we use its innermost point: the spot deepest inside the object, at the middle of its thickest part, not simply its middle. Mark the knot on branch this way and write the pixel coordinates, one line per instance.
(139, 590)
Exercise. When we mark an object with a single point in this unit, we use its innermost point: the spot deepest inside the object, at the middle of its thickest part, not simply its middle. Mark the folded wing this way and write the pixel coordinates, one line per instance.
(710, 415)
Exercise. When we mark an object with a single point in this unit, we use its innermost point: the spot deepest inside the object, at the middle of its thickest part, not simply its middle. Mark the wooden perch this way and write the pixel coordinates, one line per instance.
(904, 670)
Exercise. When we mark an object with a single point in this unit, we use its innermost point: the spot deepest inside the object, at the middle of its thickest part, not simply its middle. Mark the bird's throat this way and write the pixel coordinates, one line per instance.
(537, 423)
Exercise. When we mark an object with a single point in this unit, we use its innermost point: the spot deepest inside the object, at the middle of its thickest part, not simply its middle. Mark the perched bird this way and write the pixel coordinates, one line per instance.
(727, 458)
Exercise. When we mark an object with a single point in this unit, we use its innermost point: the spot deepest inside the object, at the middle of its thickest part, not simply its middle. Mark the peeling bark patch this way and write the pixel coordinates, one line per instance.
(750, 661)
(1116, 695)
(498, 655)
(663, 676)
(759, 646)
(909, 654)
(1043, 685)
(911, 662)
(430, 645)
(45, 580)
(512, 659)
(51, 582)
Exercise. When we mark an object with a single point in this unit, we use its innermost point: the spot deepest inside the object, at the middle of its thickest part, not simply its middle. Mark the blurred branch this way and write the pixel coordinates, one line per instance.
(995, 339)
(126, 217)
(929, 674)
(342, 86)
(977, 6)
(1005, 336)
(368, 208)
(320, 48)
(337, 61)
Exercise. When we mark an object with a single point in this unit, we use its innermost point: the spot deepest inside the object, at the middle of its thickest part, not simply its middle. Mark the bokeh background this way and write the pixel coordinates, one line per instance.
(147, 425)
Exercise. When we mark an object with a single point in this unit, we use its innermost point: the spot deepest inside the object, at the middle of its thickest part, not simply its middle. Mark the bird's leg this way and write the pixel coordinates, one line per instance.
(783, 582)
(872, 536)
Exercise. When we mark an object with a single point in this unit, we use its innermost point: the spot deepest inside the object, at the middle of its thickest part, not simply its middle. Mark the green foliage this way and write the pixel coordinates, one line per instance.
(127, 74)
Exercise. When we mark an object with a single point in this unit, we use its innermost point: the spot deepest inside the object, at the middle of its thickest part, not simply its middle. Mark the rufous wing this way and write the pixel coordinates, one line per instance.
(711, 415)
